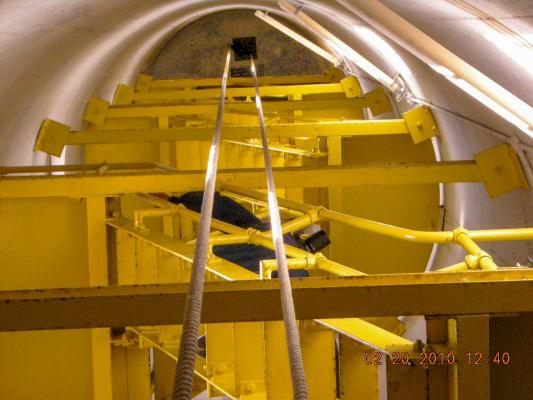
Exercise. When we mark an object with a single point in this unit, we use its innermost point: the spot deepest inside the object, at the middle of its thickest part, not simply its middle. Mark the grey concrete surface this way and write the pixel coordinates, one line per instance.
(194, 51)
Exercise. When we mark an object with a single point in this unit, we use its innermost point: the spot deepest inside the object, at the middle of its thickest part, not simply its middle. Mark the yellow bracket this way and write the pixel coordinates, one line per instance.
(421, 124)
(96, 111)
(501, 170)
(379, 102)
(123, 95)
(334, 74)
(52, 137)
(351, 87)
(143, 83)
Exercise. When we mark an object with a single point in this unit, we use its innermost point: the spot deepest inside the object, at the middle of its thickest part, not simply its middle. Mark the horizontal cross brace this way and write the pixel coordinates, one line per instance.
(146, 82)
(98, 110)
(348, 128)
(128, 95)
(172, 181)
(362, 296)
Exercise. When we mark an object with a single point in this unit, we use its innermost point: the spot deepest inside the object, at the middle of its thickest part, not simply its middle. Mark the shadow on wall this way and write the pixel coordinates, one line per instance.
(198, 50)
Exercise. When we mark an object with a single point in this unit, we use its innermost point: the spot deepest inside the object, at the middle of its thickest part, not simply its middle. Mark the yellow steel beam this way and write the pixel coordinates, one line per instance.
(146, 82)
(82, 168)
(127, 95)
(469, 341)
(381, 295)
(53, 136)
(286, 149)
(303, 129)
(171, 181)
(95, 209)
(370, 335)
(98, 110)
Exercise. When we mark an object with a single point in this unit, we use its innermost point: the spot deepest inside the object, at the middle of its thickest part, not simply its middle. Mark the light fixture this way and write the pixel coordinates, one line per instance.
(443, 71)
(517, 51)
(381, 17)
(493, 105)
(299, 38)
(386, 50)
(484, 99)
(339, 46)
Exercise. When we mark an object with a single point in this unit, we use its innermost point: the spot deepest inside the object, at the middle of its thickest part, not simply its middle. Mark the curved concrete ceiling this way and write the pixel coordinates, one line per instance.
(58, 53)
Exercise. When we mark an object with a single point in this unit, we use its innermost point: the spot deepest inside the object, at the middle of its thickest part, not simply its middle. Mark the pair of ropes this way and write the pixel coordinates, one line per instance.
(183, 381)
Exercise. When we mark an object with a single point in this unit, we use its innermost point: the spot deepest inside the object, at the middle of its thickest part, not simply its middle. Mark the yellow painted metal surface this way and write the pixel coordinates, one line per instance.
(469, 378)
(307, 129)
(59, 236)
(351, 87)
(501, 170)
(98, 276)
(375, 176)
(371, 335)
(461, 293)
(413, 206)
(421, 124)
(406, 382)
(358, 379)
(43, 244)
(318, 352)
(127, 95)
(146, 82)
(95, 108)
(51, 137)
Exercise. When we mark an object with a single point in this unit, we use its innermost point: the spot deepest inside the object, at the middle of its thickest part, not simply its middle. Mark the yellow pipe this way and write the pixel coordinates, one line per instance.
(140, 215)
(257, 195)
(257, 202)
(387, 230)
(268, 266)
(259, 239)
(391, 230)
(297, 223)
(480, 258)
(229, 239)
(301, 222)
(462, 266)
(460, 236)
(497, 235)
(335, 268)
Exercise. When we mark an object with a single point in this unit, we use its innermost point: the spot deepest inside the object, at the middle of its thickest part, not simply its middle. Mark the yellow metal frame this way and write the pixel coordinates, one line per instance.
(167, 180)
(458, 293)
(147, 83)
(53, 136)
(127, 95)
(246, 359)
(459, 236)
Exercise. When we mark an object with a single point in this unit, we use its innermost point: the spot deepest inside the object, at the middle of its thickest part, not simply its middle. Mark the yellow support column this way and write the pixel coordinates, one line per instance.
(249, 348)
(278, 376)
(469, 340)
(97, 261)
(437, 375)
(220, 358)
(318, 351)
(359, 370)
(405, 382)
